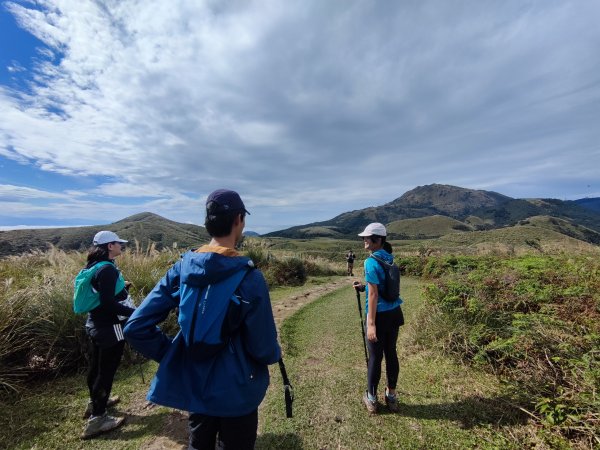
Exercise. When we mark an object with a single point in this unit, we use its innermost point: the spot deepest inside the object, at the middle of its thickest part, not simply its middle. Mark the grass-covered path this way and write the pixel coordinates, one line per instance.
(443, 405)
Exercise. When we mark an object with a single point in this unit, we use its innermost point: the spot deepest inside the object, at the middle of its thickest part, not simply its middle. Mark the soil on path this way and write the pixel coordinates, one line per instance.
(174, 435)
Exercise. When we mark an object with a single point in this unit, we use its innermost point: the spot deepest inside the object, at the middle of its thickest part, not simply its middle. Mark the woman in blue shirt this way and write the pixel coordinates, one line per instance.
(384, 319)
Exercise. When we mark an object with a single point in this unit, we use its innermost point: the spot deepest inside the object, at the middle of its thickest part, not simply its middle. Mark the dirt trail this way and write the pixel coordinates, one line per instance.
(174, 435)
(285, 308)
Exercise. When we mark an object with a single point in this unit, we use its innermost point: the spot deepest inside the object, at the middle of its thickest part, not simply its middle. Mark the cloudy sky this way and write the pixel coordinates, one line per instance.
(308, 109)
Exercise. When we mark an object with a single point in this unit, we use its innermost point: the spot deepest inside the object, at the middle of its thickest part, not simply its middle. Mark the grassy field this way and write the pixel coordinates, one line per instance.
(431, 226)
(443, 405)
(48, 415)
(523, 239)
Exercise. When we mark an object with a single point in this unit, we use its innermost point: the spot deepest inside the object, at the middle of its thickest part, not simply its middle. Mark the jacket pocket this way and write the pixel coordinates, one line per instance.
(246, 369)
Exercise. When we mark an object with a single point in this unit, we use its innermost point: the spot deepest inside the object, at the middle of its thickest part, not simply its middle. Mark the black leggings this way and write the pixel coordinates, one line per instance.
(236, 433)
(103, 366)
(387, 325)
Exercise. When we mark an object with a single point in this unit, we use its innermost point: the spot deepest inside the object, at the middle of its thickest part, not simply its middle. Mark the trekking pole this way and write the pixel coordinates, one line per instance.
(362, 327)
(141, 370)
(132, 360)
(289, 390)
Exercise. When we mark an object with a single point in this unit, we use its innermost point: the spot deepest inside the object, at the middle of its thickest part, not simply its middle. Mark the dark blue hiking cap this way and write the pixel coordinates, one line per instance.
(227, 201)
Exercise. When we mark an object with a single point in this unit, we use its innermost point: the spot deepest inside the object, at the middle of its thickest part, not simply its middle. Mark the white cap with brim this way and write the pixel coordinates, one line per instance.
(106, 237)
(375, 228)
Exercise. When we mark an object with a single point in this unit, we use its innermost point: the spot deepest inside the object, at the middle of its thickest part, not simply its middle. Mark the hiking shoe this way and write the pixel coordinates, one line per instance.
(111, 402)
(370, 404)
(392, 403)
(101, 424)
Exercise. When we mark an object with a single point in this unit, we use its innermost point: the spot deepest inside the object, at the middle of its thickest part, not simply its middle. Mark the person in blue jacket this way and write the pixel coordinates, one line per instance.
(384, 319)
(216, 367)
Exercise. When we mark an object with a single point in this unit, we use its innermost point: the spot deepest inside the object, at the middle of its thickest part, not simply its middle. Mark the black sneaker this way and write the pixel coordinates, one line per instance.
(392, 403)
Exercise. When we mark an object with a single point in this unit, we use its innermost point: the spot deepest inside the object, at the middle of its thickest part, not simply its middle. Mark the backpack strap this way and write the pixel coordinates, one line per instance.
(379, 260)
(388, 269)
(96, 268)
(382, 264)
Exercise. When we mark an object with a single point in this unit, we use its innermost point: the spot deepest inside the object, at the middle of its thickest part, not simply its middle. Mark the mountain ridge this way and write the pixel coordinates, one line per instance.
(592, 203)
(145, 228)
(479, 209)
(451, 208)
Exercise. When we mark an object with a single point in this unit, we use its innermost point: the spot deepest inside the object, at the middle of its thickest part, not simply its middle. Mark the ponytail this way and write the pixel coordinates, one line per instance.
(97, 253)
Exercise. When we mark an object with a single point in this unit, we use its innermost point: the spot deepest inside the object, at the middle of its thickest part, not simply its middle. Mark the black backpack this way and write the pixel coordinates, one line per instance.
(391, 291)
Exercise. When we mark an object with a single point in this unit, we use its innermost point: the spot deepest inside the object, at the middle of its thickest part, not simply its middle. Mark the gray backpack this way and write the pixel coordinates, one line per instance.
(391, 290)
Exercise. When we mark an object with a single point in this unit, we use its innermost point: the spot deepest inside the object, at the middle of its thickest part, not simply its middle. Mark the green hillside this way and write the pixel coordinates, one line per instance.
(518, 239)
(565, 227)
(426, 227)
(321, 232)
(145, 228)
(589, 203)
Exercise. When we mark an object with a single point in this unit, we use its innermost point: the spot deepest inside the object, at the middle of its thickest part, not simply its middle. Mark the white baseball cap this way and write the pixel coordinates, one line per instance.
(105, 237)
(374, 228)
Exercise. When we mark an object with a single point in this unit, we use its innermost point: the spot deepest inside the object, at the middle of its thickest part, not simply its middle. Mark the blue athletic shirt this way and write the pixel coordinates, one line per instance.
(374, 274)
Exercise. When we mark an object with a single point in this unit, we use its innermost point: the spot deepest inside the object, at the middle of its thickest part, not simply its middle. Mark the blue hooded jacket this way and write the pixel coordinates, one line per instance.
(234, 381)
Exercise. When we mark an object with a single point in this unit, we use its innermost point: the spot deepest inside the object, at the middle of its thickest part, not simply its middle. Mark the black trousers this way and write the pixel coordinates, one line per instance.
(103, 366)
(387, 325)
(234, 432)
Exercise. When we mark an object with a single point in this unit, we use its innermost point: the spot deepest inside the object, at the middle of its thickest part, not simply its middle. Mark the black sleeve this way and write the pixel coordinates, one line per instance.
(106, 280)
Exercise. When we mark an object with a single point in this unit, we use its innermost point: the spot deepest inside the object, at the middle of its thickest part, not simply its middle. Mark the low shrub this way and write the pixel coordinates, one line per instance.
(286, 272)
(259, 257)
(437, 266)
(318, 267)
(533, 320)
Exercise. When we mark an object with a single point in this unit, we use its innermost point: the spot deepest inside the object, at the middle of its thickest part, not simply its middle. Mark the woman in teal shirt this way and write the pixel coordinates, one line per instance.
(384, 319)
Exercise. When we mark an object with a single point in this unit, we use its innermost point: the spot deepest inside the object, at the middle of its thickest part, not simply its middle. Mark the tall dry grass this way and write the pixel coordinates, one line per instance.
(41, 336)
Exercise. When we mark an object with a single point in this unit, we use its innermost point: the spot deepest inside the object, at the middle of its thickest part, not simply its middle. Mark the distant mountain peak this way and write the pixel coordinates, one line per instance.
(141, 217)
(449, 200)
(476, 208)
(144, 229)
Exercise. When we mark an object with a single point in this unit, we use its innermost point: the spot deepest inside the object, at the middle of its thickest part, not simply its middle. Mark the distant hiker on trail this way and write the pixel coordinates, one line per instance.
(104, 327)
(216, 367)
(350, 257)
(384, 317)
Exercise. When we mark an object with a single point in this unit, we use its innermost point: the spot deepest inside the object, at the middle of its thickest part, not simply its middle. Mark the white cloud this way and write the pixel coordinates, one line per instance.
(318, 106)
(129, 190)
(13, 193)
(15, 66)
